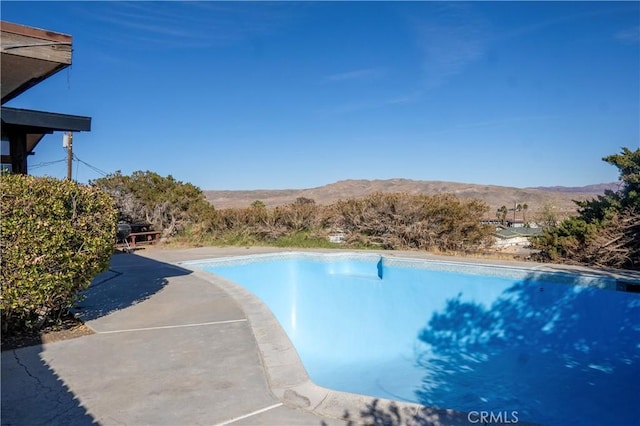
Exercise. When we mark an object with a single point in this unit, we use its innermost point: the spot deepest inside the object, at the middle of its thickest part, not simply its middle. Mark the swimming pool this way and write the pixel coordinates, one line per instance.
(557, 348)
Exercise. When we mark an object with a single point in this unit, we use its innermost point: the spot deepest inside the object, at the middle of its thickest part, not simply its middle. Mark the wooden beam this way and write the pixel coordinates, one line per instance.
(30, 47)
(34, 32)
(35, 122)
(29, 56)
(32, 140)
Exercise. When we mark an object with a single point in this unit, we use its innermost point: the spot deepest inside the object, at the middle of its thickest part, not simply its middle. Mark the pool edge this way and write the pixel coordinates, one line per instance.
(286, 376)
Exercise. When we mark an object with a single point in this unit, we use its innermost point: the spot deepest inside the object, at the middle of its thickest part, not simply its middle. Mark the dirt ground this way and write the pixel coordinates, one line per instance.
(69, 328)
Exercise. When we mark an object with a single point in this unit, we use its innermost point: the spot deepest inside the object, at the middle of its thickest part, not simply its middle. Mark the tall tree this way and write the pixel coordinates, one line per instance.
(502, 214)
(606, 231)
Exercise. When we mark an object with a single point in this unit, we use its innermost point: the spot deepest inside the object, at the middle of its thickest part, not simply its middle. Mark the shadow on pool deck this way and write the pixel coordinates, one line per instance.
(32, 391)
(106, 294)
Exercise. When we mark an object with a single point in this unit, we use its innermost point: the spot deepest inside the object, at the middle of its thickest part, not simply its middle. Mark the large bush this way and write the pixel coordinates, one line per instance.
(166, 203)
(440, 222)
(606, 232)
(56, 236)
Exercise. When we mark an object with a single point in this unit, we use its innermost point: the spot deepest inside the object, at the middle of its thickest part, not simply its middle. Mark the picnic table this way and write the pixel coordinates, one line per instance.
(138, 238)
(146, 237)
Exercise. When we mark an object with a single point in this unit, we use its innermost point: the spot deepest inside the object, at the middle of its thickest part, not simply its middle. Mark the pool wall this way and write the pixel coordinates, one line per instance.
(288, 378)
(286, 374)
(375, 265)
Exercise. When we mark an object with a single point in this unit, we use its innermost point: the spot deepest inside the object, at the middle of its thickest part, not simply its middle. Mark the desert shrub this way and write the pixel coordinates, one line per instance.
(56, 236)
(386, 220)
(441, 222)
(259, 223)
(166, 203)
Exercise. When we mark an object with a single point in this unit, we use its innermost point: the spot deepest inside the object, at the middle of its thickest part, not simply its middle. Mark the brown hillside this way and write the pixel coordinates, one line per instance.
(493, 195)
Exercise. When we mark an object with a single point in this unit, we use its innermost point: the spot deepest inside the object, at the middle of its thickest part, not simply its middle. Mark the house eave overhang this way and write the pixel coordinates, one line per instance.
(32, 121)
(31, 126)
(29, 56)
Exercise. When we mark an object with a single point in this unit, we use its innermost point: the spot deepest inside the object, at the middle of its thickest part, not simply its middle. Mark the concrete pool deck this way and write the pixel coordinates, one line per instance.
(181, 347)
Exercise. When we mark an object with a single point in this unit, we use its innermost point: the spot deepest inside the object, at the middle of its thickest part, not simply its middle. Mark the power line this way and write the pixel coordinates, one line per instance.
(94, 168)
(45, 164)
(75, 157)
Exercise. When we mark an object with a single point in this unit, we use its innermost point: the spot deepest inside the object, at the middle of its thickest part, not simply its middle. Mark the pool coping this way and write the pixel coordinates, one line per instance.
(582, 276)
(287, 376)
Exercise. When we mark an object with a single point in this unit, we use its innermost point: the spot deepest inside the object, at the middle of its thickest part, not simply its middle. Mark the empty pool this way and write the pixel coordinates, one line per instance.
(556, 348)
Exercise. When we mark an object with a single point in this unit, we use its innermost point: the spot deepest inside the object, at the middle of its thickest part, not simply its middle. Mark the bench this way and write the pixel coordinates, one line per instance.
(138, 238)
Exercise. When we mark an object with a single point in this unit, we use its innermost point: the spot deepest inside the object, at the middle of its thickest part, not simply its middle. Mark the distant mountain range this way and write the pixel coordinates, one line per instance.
(596, 189)
(558, 196)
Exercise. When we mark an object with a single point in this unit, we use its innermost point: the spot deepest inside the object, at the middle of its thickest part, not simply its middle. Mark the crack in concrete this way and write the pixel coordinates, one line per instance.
(57, 399)
(26, 369)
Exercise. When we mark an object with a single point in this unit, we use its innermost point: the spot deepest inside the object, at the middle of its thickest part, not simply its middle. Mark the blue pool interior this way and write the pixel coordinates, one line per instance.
(554, 351)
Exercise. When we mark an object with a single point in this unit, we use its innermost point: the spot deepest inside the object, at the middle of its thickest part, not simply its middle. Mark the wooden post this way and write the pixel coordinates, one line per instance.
(70, 156)
(18, 152)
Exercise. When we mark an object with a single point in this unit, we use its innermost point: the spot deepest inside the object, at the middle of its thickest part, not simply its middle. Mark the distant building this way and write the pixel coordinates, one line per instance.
(519, 223)
(509, 223)
(496, 222)
(509, 237)
(337, 236)
(30, 56)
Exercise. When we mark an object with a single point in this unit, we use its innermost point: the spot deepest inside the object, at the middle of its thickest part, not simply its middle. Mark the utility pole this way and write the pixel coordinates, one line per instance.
(69, 155)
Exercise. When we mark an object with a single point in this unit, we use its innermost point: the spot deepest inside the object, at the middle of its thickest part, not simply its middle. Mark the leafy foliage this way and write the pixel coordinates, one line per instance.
(56, 236)
(169, 205)
(607, 230)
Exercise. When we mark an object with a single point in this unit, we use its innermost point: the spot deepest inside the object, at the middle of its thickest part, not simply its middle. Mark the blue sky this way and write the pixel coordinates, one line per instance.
(230, 95)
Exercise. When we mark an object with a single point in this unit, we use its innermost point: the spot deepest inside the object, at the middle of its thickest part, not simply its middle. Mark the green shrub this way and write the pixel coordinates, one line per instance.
(170, 205)
(304, 239)
(56, 236)
(605, 233)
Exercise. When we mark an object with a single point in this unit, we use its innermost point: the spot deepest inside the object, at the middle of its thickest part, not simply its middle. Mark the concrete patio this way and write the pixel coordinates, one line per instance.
(169, 348)
(174, 346)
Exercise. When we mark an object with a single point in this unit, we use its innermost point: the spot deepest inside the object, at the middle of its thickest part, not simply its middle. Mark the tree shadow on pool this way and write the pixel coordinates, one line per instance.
(555, 353)
(393, 415)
